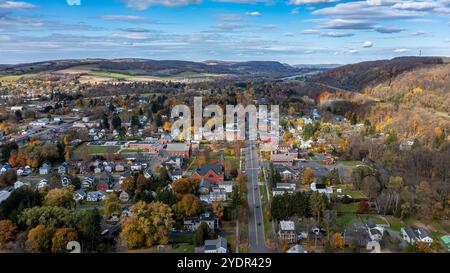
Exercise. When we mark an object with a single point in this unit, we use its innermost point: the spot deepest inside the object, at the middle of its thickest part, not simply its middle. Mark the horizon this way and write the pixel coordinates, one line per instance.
(208, 60)
(287, 31)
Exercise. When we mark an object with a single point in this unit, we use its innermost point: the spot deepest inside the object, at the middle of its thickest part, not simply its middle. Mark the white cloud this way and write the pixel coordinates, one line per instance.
(4, 38)
(348, 24)
(295, 11)
(229, 17)
(253, 13)
(145, 4)
(14, 5)
(289, 34)
(336, 34)
(310, 31)
(418, 33)
(307, 2)
(122, 18)
(228, 26)
(367, 44)
(409, 5)
(389, 29)
(401, 50)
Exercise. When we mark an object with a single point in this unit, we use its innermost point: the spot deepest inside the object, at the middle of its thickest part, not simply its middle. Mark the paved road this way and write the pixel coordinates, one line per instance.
(256, 236)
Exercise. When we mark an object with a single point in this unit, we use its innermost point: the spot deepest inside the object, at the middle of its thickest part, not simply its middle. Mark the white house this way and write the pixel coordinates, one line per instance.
(20, 184)
(42, 184)
(413, 236)
(216, 246)
(321, 188)
(45, 169)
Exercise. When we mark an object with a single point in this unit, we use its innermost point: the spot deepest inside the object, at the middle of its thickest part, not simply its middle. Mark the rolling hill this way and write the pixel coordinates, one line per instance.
(154, 68)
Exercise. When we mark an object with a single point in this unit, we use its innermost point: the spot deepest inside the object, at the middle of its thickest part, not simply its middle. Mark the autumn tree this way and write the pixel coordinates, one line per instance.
(40, 239)
(337, 241)
(308, 176)
(185, 186)
(8, 231)
(242, 183)
(149, 224)
(218, 209)
(60, 198)
(61, 238)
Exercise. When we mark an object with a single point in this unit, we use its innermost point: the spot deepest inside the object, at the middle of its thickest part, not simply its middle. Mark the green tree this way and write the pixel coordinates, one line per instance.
(318, 204)
(203, 233)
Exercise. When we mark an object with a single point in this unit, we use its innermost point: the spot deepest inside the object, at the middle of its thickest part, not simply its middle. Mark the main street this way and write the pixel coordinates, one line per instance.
(256, 237)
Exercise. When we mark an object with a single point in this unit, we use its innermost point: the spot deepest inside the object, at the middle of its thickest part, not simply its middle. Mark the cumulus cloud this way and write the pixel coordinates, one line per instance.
(367, 44)
(15, 5)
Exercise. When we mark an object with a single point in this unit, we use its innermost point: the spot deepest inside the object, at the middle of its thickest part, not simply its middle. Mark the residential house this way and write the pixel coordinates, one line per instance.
(79, 195)
(193, 223)
(281, 191)
(87, 182)
(287, 186)
(178, 174)
(211, 172)
(63, 169)
(296, 249)
(174, 162)
(375, 231)
(413, 236)
(95, 196)
(219, 245)
(105, 181)
(42, 184)
(287, 231)
(4, 195)
(214, 196)
(20, 184)
(321, 188)
(65, 181)
(120, 168)
(125, 196)
(5, 168)
(45, 169)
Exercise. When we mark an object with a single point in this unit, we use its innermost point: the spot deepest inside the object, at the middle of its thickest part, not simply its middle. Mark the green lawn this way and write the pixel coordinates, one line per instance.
(97, 149)
(347, 208)
(107, 74)
(349, 190)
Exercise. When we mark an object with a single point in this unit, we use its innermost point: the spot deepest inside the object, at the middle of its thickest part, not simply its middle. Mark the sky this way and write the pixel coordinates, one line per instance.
(289, 31)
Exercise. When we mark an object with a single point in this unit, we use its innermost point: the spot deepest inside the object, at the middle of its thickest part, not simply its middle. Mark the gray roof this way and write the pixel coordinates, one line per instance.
(203, 170)
(216, 244)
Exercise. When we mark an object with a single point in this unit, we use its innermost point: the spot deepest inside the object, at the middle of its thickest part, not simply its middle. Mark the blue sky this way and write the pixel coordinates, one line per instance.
(290, 31)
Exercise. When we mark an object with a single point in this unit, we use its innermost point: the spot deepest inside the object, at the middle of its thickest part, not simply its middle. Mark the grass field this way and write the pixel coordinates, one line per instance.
(97, 149)
(181, 248)
(347, 208)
